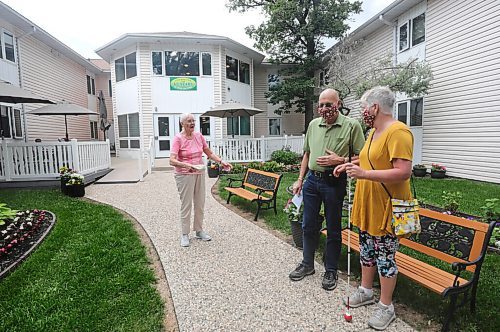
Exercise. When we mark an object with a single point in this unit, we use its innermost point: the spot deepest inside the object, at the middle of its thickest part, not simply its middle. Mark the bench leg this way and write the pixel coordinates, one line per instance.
(228, 198)
(275, 212)
(451, 310)
(473, 298)
(258, 210)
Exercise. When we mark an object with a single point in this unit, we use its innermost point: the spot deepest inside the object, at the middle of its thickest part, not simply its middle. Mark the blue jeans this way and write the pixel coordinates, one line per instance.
(316, 191)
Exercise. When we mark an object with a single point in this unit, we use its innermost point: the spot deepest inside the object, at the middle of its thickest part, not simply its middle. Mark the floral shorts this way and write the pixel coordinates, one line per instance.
(380, 251)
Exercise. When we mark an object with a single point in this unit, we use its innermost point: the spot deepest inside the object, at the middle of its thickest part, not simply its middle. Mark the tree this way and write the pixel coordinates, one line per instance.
(412, 77)
(292, 34)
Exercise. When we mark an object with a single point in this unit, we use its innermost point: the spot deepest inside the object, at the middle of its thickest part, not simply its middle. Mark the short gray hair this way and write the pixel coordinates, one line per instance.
(184, 116)
(381, 95)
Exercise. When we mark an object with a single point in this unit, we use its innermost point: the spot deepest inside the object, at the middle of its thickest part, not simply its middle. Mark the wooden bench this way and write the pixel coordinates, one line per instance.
(458, 241)
(257, 186)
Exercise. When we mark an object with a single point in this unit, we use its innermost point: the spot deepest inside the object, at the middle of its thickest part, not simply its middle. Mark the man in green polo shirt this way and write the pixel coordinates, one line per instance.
(326, 145)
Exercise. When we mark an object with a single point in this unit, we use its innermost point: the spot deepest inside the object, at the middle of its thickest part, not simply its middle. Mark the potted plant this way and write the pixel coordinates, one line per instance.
(213, 169)
(419, 170)
(438, 171)
(65, 173)
(295, 219)
(75, 186)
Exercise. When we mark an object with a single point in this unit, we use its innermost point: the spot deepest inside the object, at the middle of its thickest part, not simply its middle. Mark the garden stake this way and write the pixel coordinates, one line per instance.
(347, 314)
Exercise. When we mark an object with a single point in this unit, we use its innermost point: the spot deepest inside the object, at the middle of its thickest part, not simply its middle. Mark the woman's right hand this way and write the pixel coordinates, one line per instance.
(339, 169)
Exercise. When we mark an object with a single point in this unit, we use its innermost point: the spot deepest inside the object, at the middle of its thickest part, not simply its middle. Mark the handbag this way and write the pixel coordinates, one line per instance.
(405, 213)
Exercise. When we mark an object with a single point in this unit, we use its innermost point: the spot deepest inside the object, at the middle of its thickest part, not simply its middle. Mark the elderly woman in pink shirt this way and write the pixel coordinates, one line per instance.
(186, 156)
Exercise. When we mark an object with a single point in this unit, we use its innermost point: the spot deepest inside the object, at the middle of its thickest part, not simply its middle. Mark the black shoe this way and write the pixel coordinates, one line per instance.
(329, 280)
(300, 272)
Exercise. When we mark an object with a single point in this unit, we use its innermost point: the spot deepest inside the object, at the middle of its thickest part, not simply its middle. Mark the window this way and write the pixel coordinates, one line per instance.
(182, 63)
(10, 122)
(241, 125)
(418, 30)
(205, 125)
(128, 128)
(410, 112)
(8, 46)
(110, 88)
(157, 63)
(323, 78)
(126, 67)
(403, 37)
(90, 85)
(93, 130)
(206, 59)
(275, 127)
(231, 68)
(244, 73)
(237, 70)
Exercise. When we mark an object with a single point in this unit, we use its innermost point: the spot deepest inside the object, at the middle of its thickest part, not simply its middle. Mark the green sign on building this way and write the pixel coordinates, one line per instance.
(183, 83)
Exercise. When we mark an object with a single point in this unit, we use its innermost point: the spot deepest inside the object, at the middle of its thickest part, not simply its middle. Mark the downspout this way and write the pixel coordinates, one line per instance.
(394, 26)
(33, 30)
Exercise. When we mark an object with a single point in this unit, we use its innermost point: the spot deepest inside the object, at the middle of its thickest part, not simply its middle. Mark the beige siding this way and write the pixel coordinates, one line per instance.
(376, 45)
(462, 110)
(51, 74)
(260, 88)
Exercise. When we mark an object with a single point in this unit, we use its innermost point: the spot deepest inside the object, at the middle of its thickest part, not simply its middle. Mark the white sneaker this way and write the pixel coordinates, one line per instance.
(381, 318)
(359, 298)
(203, 236)
(185, 240)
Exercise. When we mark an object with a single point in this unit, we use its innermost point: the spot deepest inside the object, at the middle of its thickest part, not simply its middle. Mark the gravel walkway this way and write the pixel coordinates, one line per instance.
(239, 280)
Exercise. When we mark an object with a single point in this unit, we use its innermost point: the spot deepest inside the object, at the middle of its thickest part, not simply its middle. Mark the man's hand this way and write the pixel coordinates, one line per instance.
(297, 187)
(331, 159)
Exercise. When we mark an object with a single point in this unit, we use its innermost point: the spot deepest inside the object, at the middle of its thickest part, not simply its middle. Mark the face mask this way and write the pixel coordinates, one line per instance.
(368, 118)
(328, 112)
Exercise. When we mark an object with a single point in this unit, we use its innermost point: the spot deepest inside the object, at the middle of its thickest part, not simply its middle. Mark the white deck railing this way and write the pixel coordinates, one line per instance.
(28, 161)
(254, 149)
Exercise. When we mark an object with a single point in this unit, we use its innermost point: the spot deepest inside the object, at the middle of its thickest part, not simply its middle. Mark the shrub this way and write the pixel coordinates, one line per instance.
(451, 200)
(272, 166)
(491, 209)
(285, 156)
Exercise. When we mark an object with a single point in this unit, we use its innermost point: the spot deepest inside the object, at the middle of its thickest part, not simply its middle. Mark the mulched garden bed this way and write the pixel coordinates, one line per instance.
(21, 235)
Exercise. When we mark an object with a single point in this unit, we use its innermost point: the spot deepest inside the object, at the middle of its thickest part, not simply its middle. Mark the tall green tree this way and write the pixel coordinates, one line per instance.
(292, 33)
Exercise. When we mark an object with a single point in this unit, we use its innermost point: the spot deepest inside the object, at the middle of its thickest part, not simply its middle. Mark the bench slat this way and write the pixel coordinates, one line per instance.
(248, 195)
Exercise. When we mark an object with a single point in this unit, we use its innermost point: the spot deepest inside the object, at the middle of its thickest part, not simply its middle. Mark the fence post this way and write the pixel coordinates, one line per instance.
(7, 161)
(263, 147)
(75, 155)
(108, 153)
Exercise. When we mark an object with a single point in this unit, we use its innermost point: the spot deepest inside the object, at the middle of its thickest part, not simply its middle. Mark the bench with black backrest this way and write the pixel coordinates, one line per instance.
(256, 186)
(461, 242)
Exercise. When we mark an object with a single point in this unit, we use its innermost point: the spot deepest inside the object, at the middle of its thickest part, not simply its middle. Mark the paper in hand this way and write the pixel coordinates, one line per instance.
(297, 200)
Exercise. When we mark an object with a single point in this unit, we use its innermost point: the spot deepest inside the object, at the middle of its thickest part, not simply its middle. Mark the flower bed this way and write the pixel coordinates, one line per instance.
(21, 235)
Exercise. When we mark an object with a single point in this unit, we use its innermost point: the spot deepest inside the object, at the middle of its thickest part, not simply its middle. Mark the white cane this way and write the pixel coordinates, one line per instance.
(347, 314)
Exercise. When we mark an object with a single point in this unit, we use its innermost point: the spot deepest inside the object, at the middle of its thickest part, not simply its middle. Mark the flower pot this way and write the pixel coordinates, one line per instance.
(438, 174)
(64, 190)
(296, 227)
(419, 172)
(76, 190)
(213, 172)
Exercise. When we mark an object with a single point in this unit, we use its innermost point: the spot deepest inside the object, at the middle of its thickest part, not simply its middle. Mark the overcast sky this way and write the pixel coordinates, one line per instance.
(87, 25)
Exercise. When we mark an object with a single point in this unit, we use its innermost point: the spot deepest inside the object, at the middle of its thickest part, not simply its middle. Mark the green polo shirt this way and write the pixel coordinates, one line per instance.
(335, 137)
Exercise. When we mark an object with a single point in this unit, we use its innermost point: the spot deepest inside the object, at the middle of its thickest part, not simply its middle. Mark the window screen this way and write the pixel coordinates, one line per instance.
(402, 112)
(157, 65)
(8, 40)
(206, 59)
(231, 68)
(122, 126)
(244, 73)
(120, 69)
(418, 30)
(131, 67)
(182, 63)
(403, 37)
(416, 112)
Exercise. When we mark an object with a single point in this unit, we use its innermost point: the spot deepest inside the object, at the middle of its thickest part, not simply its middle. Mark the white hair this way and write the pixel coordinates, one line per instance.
(381, 95)
(184, 116)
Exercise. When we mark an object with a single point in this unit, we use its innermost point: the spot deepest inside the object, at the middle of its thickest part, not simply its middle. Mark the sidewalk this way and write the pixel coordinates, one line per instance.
(239, 280)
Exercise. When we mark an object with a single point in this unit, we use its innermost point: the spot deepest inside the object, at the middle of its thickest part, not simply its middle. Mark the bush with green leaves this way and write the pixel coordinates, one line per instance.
(6, 213)
(272, 166)
(285, 156)
(451, 200)
(491, 209)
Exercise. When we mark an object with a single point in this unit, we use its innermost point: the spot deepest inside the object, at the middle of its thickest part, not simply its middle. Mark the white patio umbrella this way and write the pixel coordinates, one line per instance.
(63, 108)
(231, 110)
(12, 94)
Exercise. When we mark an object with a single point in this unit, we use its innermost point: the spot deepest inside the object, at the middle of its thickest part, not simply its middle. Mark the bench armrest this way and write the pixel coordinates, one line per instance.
(461, 266)
(231, 180)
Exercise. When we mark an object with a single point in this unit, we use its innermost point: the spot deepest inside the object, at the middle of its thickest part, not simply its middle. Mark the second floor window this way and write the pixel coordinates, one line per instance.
(7, 46)
(90, 85)
(237, 70)
(126, 67)
(411, 33)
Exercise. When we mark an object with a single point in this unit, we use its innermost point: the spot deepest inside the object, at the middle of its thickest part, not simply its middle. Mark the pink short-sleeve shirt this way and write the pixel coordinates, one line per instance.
(189, 150)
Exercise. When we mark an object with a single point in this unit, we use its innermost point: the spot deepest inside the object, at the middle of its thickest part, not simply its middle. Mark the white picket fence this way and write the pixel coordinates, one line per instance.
(254, 149)
(29, 161)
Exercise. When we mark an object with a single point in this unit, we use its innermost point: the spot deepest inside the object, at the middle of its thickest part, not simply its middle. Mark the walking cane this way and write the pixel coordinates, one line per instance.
(347, 314)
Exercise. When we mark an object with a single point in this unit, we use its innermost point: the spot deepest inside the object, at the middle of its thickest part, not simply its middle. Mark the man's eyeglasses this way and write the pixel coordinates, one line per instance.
(327, 105)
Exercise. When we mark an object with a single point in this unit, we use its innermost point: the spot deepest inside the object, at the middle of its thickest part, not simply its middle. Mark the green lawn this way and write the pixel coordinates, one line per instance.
(90, 274)
(419, 298)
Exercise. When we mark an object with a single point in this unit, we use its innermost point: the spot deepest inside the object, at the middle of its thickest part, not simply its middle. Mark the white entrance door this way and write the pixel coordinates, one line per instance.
(166, 126)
